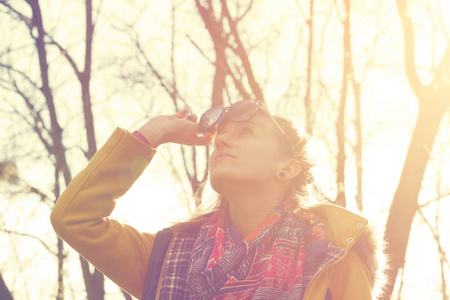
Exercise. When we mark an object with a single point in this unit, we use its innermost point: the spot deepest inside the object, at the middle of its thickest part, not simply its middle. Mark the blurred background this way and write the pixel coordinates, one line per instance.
(369, 79)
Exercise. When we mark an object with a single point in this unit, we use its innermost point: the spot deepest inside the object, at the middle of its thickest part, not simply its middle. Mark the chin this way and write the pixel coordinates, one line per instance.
(226, 181)
(223, 180)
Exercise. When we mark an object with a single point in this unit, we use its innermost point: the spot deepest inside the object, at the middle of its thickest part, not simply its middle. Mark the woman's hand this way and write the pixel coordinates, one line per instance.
(180, 128)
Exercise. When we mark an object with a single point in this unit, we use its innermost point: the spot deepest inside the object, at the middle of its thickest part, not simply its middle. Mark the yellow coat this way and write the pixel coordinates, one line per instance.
(81, 218)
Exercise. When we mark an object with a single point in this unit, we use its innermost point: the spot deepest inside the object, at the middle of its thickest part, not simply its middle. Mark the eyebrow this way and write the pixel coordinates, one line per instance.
(252, 123)
(220, 128)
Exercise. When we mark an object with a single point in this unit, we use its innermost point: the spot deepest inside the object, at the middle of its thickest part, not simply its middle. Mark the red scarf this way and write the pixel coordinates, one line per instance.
(267, 264)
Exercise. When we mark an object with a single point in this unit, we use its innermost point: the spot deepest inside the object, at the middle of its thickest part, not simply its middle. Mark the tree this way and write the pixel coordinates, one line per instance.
(433, 101)
(5, 294)
(51, 135)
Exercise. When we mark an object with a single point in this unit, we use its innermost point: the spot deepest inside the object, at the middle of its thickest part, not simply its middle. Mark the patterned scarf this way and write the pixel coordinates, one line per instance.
(267, 264)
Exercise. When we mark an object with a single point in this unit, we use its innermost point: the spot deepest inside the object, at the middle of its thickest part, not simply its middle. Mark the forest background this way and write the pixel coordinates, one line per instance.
(369, 79)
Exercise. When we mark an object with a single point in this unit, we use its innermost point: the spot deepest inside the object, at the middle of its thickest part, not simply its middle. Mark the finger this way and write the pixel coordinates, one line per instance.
(178, 115)
(192, 118)
(203, 139)
(181, 114)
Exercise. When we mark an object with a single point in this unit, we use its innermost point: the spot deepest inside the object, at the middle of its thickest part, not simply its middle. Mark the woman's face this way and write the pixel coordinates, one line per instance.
(245, 152)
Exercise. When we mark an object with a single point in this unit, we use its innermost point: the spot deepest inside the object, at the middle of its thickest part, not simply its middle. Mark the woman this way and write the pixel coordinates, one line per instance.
(263, 240)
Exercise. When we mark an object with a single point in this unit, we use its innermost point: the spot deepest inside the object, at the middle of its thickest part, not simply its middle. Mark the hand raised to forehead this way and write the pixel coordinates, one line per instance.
(180, 128)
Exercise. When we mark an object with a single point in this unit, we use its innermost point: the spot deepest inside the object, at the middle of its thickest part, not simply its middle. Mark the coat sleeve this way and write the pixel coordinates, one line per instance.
(350, 279)
(81, 214)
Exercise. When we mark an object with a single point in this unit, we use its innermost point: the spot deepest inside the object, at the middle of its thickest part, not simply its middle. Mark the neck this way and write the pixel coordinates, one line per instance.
(249, 207)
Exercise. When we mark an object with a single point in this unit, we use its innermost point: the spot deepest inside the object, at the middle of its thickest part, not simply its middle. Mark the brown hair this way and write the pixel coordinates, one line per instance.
(303, 192)
(302, 188)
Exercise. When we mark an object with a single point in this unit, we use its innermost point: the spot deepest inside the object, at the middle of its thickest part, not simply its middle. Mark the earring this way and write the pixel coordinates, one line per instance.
(282, 174)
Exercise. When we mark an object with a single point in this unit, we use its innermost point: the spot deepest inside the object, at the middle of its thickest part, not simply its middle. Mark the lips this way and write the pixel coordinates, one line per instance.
(224, 155)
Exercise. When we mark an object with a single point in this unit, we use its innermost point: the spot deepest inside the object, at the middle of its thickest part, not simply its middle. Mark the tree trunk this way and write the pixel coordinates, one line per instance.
(405, 202)
(57, 148)
(5, 294)
(340, 123)
(85, 81)
(433, 100)
(94, 281)
(358, 146)
(307, 98)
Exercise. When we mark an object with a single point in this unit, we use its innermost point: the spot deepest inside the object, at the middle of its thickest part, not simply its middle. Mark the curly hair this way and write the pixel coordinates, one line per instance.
(303, 190)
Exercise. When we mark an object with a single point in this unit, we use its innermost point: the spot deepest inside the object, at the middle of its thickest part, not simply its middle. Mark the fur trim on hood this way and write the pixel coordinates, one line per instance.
(341, 224)
(371, 248)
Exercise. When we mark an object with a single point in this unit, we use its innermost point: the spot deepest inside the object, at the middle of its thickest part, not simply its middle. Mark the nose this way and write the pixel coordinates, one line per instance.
(222, 141)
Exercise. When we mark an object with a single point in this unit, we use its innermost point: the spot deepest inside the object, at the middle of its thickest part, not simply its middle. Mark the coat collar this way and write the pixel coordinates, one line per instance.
(343, 227)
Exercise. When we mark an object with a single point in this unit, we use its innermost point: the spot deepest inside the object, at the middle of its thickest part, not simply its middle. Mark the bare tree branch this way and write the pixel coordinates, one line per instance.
(163, 82)
(19, 16)
(438, 198)
(199, 49)
(436, 237)
(66, 54)
(413, 78)
(32, 237)
(240, 50)
(39, 125)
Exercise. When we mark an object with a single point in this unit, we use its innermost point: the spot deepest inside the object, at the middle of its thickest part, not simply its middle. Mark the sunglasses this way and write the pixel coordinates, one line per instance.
(240, 111)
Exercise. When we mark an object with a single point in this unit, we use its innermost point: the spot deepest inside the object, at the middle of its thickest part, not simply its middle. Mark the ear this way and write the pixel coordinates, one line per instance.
(290, 169)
